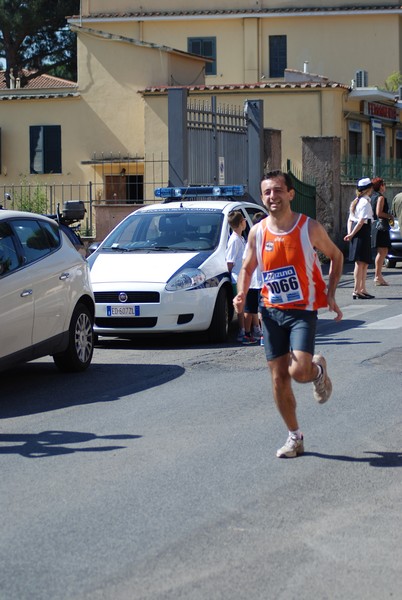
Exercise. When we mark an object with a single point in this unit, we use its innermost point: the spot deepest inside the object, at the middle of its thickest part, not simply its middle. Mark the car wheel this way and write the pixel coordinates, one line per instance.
(78, 355)
(389, 263)
(219, 328)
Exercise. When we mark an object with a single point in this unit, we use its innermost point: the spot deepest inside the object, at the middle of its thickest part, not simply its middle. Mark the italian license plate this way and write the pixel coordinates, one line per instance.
(123, 311)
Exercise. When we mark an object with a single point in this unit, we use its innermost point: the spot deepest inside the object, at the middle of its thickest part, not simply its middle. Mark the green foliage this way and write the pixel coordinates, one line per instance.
(31, 198)
(393, 82)
(86, 231)
(35, 38)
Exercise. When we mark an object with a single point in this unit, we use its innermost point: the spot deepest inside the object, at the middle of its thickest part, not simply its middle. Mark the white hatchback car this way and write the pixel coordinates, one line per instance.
(163, 268)
(46, 301)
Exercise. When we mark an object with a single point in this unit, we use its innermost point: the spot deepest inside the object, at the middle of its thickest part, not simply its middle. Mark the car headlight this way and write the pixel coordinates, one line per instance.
(186, 280)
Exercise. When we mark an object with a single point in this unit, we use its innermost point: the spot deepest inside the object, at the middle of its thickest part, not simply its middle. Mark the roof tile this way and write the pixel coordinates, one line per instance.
(250, 11)
(47, 82)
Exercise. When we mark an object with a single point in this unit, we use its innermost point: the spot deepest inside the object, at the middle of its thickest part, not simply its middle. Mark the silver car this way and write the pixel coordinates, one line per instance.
(46, 301)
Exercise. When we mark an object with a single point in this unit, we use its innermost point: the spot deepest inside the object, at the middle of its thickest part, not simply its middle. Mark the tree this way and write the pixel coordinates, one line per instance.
(35, 39)
(393, 82)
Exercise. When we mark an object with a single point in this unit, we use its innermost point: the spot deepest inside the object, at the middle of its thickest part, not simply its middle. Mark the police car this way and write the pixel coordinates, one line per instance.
(163, 268)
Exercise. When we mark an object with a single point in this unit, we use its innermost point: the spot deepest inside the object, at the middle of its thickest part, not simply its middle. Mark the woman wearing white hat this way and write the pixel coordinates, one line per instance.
(359, 236)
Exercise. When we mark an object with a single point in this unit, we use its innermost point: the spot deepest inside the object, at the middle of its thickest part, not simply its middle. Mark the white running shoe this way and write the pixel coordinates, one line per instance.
(323, 385)
(293, 447)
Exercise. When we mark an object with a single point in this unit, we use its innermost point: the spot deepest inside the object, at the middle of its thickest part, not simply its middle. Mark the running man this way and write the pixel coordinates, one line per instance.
(284, 246)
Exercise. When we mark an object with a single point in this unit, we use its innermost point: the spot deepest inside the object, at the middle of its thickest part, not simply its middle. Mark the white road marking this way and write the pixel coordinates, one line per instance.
(357, 311)
(389, 323)
(351, 311)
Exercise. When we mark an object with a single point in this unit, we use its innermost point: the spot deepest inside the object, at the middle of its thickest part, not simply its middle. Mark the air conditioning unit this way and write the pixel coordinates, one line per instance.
(361, 79)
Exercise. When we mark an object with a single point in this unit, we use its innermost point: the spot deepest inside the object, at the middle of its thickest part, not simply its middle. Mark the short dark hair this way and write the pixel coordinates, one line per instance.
(259, 216)
(235, 217)
(278, 173)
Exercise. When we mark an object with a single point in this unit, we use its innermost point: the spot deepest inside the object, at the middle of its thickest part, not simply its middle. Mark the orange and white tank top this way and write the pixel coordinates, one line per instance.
(291, 271)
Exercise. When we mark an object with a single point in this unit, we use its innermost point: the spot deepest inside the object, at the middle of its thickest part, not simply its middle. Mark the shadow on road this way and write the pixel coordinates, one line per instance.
(325, 329)
(166, 341)
(380, 459)
(53, 443)
(40, 387)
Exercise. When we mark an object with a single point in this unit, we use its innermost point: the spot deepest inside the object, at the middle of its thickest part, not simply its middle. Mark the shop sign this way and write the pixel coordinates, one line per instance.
(382, 111)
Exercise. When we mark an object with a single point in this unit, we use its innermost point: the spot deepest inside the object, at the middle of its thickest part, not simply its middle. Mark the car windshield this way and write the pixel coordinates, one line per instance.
(174, 229)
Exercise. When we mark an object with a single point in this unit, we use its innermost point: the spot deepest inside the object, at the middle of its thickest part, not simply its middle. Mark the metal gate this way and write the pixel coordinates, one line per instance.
(211, 145)
(217, 144)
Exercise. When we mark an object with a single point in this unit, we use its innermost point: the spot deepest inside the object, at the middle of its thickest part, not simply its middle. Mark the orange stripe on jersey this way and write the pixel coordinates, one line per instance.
(290, 268)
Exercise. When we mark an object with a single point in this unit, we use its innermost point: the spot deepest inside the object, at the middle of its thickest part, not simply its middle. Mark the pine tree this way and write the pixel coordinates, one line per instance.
(35, 38)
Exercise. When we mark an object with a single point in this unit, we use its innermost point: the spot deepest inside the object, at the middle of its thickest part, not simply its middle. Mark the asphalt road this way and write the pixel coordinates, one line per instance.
(153, 475)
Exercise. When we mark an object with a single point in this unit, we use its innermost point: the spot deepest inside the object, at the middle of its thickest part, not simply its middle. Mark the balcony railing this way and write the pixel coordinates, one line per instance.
(356, 167)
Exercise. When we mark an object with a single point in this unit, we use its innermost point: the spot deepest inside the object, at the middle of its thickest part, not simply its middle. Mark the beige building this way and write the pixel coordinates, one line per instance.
(105, 137)
(57, 132)
(254, 39)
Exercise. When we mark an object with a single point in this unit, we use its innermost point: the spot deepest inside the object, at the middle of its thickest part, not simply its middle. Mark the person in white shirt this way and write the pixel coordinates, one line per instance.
(359, 236)
(234, 258)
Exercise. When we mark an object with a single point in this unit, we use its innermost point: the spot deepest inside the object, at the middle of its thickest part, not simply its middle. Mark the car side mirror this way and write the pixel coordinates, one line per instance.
(93, 247)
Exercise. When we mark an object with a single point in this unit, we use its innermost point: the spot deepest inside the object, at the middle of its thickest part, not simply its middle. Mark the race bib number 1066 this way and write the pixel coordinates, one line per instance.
(283, 285)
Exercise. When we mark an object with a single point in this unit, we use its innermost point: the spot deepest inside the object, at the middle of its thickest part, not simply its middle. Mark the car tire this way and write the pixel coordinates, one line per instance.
(219, 329)
(389, 263)
(78, 355)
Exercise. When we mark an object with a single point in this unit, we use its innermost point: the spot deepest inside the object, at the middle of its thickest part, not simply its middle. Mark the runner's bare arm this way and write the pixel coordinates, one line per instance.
(322, 242)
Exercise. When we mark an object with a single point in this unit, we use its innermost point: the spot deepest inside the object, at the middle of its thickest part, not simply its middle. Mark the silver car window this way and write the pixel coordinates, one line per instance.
(35, 240)
(9, 258)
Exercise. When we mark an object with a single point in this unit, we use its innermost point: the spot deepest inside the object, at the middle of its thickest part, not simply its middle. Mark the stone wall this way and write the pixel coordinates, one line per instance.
(107, 216)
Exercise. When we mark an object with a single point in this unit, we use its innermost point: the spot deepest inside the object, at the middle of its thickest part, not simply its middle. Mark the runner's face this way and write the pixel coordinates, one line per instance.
(275, 195)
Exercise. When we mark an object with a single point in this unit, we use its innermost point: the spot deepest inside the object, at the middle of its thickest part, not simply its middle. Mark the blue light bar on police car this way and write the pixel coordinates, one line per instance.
(202, 190)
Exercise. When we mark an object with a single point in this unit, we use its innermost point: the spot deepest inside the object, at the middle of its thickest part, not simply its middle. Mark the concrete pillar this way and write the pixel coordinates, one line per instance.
(177, 137)
(255, 114)
(272, 150)
(321, 159)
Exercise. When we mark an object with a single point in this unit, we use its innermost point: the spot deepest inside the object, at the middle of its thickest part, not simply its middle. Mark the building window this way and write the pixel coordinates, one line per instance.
(277, 55)
(380, 145)
(135, 188)
(126, 189)
(355, 143)
(398, 145)
(45, 148)
(355, 138)
(204, 47)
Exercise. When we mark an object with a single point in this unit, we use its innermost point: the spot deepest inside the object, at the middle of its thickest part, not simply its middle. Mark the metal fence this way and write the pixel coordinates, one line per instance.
(356, 167)
(107, 187)
(47, 198)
